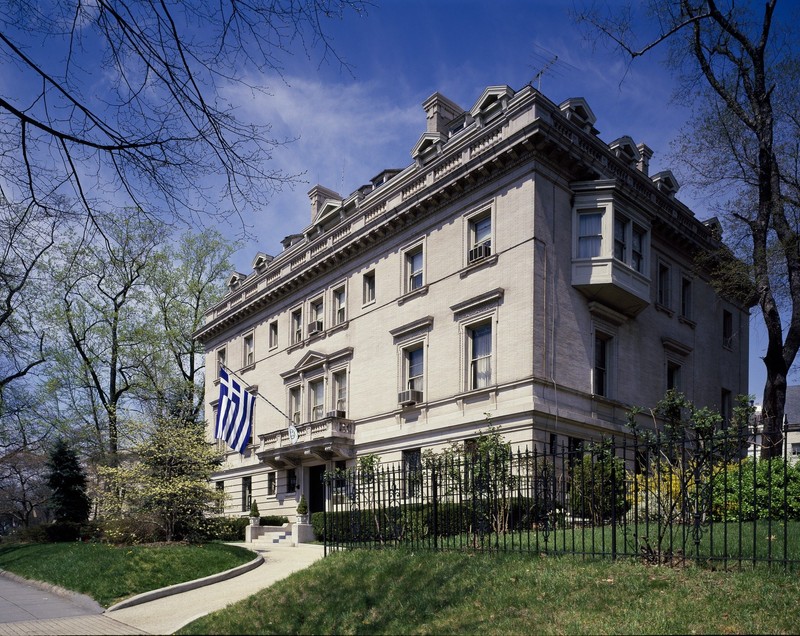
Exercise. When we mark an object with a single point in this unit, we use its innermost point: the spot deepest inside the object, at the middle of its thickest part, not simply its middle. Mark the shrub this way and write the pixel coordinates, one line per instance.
(274, 520)
(226, 528)
(756, 489)
(131, 530)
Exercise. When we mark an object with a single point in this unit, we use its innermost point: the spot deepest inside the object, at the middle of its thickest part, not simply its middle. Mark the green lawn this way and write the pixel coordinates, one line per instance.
(403, 592)
(111, 573)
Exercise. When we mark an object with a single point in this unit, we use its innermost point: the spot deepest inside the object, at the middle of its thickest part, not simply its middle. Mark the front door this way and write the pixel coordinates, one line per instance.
(316, 489)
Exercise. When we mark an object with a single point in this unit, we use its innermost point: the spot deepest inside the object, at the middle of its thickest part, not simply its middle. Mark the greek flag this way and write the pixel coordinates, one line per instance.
(234, 413)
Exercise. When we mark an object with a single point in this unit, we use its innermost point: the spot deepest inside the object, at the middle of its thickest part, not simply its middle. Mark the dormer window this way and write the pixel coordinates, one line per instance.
(235, 280)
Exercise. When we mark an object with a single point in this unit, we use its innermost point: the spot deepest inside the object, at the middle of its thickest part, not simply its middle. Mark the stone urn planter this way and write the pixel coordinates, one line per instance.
(255, 517)
(302, 510)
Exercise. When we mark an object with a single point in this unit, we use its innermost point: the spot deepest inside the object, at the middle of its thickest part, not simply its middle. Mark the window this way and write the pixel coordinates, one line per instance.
(480, 344)
(340, 388)
(273, 334)
(221, 494)
(220, 359)
(339, 306)
(247, 493)
(317, 317)
(673, 376)
(414, 263)
(480, 237)
(297, 326)
(664, 289)
(412, 472)
(248, 351)
(795, 449)
(727, 329)
(686, 297)
(415, 367)
(621, 225)
(602, 356)
(271, 479)
(291, 480)
(316, 396)
(369, 288)
(294, 404)
(637, 249)
(590, 234)
(726, 407)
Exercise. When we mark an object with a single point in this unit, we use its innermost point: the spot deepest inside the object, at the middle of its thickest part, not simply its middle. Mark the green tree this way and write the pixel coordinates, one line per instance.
(67, 480)
(168, 481)
(740, 67)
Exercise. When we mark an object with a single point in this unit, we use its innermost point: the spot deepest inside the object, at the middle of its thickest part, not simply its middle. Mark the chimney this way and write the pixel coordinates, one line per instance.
(440, 111)
(644, 163)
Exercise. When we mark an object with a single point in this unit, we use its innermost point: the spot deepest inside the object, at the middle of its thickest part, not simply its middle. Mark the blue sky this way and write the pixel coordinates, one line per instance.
(348, 126)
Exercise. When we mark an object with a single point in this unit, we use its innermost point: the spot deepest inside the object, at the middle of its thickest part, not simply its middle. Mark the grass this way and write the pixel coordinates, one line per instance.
(403, 592)
(111, 573)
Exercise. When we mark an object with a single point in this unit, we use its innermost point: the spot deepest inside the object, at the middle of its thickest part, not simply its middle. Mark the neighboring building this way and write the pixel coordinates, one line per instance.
(520, 268)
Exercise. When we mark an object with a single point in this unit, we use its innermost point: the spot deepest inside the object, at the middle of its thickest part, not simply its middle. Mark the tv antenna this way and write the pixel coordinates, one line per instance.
(548, 62)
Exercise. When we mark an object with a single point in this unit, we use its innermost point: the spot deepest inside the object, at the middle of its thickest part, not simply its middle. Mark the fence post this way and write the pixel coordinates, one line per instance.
(613, 499)
(435, 496)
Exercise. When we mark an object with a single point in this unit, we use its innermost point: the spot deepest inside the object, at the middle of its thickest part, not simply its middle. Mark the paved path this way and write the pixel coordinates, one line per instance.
(27, 609)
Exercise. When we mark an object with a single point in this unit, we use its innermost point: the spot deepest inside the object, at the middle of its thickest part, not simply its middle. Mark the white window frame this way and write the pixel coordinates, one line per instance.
(474, 359)
(664, 284)
(220, 357)
(295, 400)
(296, 325)
(316, 398)
(415, 382)
(369, 287)
(339, 304)
(316, 314)
(582, 239)
(248, 351)
(413, 269)
(339, 378)
(273, 334)
(474, 239)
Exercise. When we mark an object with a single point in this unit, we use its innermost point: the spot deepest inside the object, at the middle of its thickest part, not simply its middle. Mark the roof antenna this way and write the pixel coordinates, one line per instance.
(538, 75)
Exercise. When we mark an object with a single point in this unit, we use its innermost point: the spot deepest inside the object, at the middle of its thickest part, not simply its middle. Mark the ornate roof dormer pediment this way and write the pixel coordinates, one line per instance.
(625, 148)
(666, 182)
(260, 261)
(235, 279)
(491, 96)
(576, 110)
(429, 144)
(330, 208)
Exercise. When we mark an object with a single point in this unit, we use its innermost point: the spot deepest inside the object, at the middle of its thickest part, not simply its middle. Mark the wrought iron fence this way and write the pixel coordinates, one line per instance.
(659, 498)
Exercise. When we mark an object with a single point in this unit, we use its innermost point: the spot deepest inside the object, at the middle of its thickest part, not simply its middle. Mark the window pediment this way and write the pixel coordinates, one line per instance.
(490, 96)
(235, 279)
(666, 182)
(260, 261)
(481, 302)
(429, 141)
(412, 328)
(314, 359)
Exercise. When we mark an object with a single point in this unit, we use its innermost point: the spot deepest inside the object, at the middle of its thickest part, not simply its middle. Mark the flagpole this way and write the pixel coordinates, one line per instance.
(258, 393)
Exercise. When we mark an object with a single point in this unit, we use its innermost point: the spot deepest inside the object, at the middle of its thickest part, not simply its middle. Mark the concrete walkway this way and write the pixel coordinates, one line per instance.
(41, 610)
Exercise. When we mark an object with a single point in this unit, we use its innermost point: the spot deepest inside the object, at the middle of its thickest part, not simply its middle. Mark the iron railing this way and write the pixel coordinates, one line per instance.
(661, 499)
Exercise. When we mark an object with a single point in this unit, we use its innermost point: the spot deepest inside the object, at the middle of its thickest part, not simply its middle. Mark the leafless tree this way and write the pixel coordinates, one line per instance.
(125, 101)
(738, 61)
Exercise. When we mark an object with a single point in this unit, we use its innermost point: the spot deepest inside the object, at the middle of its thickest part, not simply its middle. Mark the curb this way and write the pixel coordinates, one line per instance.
(152, 595)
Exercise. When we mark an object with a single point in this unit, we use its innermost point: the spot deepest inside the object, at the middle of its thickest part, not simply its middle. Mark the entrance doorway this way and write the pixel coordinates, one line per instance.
(316, 489)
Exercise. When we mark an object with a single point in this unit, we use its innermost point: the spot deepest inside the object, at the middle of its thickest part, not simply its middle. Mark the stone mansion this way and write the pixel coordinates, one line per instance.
(520, 270)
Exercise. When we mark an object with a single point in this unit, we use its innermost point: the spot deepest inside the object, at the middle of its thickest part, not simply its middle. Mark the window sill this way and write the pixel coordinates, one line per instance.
(664, 309)
(340, 327)
(319, 335)
(687, 321)
(248, 367)
(295, 346)
(489, 261)
(412, 294)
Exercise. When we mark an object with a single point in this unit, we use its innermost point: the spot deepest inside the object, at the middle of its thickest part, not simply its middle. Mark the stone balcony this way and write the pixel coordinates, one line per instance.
(330, 438)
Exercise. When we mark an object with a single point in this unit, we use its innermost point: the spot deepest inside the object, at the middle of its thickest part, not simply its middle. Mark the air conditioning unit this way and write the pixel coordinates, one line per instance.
(339, 414)
(481, 251)
(407, 398)
(314, 327)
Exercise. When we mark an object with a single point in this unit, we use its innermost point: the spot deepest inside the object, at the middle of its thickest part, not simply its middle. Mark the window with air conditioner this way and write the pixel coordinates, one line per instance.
(340, 389)
(316, 317)
(414, 375)
(480, 237)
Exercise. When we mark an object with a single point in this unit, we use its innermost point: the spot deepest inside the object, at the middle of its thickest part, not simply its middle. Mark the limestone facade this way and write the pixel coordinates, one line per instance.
(520, 271)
